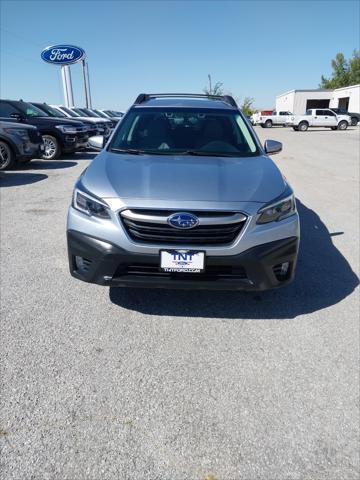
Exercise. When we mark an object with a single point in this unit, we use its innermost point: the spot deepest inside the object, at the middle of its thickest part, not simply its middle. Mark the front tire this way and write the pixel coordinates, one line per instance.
(52, 147)
(7, 157)
(354, 121)
(343, 125)
(303, 126)
(268, 124)
(296, 129)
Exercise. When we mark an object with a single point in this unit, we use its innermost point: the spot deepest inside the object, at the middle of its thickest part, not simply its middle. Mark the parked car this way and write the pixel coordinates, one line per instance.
(184, 196)
(355, 117)
(101, 124)
(106, 115)
(114, 113)
(87, 112)
(18, 144)
(323, 117)
(53, 112)
(280, 118)
(59, 135)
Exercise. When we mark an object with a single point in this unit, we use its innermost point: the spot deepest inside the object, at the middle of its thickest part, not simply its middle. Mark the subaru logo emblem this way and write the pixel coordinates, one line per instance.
(183, 220)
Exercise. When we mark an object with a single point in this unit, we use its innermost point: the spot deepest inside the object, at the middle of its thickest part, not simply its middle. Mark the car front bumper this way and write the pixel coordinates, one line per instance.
(97, 261)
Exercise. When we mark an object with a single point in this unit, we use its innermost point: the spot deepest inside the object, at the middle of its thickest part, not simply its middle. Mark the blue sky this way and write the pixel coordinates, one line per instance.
(255, 48)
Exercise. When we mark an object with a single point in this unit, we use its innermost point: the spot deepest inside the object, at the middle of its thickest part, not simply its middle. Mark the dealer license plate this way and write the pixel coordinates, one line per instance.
(182, 261)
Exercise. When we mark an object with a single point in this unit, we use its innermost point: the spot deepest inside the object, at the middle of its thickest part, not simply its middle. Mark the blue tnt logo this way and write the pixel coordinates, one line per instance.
(177, 256)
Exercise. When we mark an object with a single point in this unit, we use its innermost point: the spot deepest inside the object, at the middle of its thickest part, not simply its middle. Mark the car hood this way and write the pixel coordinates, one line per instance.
(91, 120)
(183, 178)
(52, 121)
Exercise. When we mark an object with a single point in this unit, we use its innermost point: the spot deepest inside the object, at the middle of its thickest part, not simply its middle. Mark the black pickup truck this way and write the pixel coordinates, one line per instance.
(59, 135)
(355, 117)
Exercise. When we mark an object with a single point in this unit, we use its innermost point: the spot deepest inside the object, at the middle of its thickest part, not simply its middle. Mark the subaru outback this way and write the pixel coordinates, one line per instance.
(183, 195)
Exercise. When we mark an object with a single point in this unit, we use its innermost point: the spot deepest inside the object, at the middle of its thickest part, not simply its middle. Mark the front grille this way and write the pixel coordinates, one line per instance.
(215, 228)
(211, 273)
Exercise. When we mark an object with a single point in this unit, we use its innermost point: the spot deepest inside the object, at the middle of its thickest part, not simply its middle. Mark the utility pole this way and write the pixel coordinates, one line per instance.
(210, 88)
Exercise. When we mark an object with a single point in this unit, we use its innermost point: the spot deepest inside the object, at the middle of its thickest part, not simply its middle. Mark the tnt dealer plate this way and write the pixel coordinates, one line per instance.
(182, 261)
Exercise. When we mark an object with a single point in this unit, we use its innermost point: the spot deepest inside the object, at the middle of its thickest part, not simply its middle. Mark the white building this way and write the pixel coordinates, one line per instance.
(298, 101)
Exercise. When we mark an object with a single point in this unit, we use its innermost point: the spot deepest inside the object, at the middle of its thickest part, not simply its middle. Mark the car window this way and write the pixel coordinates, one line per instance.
(51, 111)
(70, 112)
(30, 110)
(308, 112)
(176, 131)
(329, 113)
(6, 109)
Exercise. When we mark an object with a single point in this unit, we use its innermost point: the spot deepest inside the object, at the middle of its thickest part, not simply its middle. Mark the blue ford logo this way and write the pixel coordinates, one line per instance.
(62, 54)
(183, 220)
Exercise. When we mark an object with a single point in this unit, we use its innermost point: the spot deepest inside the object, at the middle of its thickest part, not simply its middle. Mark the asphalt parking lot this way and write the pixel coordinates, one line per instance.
(102, 383)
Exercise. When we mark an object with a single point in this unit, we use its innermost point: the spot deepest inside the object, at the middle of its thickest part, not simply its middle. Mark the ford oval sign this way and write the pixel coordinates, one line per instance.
(62, 54)
(183, 220)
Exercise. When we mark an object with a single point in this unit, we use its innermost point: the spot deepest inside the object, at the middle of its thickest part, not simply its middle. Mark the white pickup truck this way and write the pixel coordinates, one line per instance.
(276, 118)
(323, 117)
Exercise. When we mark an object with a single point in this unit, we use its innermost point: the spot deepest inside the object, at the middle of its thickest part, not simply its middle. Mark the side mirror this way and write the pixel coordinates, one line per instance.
(97, 142)
(17, 116)
(272, 146)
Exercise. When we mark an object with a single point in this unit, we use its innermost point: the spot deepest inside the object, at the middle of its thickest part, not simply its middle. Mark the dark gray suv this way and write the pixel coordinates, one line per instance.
(184, 196)
(18, 143)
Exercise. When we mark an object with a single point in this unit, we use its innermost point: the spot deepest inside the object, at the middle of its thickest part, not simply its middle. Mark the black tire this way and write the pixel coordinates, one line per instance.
(7, 157)
(343, 125)
(262, 125)
(303, 126)
(268, 124)
(52, 147)
(333, 128)
(354, 121)
(296, 129)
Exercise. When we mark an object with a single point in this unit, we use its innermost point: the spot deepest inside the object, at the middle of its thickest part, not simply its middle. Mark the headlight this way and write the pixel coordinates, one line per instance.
(67, 129)
(277, 211)
(21, 132)
(87, 204)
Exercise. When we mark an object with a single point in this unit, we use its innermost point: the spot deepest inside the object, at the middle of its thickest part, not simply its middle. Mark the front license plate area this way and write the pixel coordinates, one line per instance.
(182, 261)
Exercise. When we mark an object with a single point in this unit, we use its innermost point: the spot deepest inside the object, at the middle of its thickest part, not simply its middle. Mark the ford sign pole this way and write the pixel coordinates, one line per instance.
(65, 55)
(86, 84)
(67, 86)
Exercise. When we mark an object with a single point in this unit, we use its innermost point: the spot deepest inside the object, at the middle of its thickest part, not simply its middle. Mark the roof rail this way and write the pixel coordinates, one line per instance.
(143, 97)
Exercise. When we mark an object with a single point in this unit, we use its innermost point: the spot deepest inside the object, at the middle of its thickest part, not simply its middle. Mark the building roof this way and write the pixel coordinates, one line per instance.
(329, 90)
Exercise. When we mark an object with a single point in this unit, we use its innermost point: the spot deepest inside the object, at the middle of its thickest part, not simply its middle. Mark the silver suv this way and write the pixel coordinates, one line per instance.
(184, 196)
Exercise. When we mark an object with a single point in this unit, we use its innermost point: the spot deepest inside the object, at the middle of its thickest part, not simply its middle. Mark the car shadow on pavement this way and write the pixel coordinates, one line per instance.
(79, 156)
(10, 179)
(323, 278)
(47, 165)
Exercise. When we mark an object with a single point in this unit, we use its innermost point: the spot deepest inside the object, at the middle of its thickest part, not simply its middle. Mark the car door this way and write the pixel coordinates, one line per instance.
(319, 119)
(331, 118)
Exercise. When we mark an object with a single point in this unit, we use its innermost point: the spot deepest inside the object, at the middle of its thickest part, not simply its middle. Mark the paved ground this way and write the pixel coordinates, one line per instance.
(166, 385)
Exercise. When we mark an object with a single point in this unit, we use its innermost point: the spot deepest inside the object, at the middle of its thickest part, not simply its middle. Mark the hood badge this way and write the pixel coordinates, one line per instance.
(183, 221)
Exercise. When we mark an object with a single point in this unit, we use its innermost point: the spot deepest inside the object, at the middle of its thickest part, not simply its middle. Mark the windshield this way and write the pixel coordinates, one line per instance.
(91, 113)
(82, 113)
(30, 110)
(70, 112)
(184, 131)
(51, 111)
(101, 114)
(113, 113)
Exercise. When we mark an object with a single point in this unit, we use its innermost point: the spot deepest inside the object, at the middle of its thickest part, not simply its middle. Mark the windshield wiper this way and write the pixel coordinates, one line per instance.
(131, 151)
(210, 154)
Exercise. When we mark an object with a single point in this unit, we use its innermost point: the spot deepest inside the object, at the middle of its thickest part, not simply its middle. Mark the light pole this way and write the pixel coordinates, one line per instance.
(210, 88)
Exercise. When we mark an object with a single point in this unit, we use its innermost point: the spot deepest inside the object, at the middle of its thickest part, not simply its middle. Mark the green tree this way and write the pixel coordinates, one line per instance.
(214, 90)
(344, 72)
(246, 106)
(354, 67)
